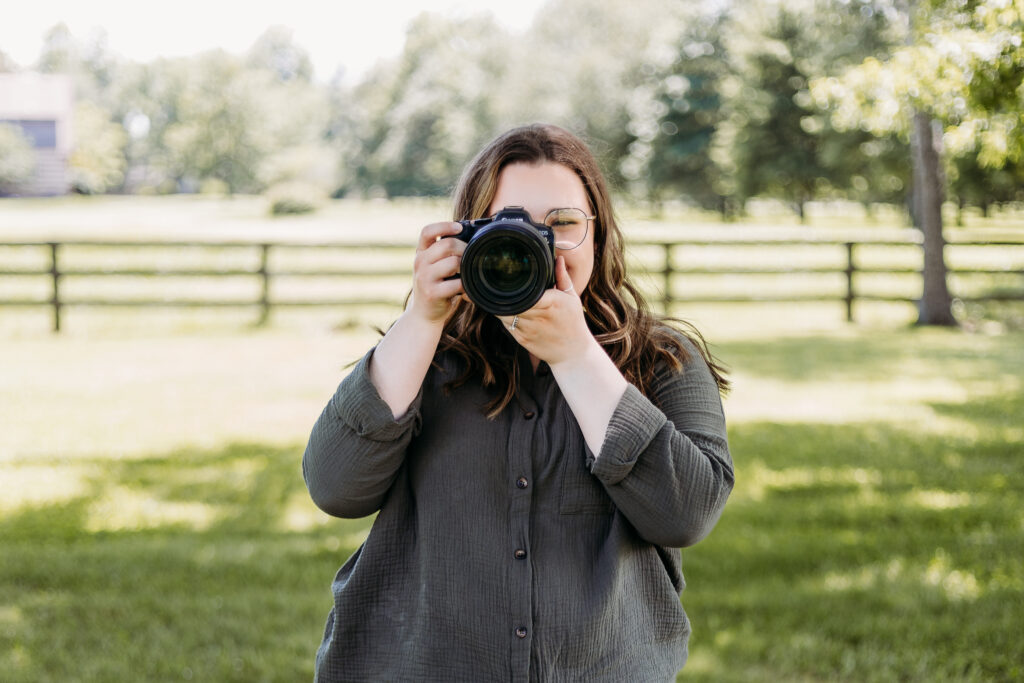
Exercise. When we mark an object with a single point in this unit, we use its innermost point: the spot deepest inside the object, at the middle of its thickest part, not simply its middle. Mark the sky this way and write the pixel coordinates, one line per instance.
(352, 35)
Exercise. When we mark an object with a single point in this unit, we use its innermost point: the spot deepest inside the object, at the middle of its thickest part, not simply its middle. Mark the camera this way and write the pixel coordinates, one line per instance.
(509, 261)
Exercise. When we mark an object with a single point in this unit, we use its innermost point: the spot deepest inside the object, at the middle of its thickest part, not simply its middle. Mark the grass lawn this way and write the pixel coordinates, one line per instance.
(154, 525)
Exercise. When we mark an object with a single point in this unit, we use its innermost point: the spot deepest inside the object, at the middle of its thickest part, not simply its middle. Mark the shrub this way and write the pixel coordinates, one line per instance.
(214, 187)
(294, 198)
(17, 160)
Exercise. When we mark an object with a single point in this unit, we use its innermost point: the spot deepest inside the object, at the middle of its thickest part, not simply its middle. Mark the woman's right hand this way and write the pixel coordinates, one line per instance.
(403, 356)
(436, 259)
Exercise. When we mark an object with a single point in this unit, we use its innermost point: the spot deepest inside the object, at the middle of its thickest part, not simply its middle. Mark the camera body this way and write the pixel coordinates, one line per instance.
(509, 261)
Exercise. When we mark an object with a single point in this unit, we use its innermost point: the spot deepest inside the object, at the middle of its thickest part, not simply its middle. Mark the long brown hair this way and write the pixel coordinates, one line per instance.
(616, 312)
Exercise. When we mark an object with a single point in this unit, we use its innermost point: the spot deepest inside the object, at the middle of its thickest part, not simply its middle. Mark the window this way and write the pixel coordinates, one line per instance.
(43, 134)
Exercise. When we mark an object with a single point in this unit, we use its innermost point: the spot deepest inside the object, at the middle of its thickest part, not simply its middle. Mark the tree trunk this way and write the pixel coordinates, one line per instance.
(935, 306)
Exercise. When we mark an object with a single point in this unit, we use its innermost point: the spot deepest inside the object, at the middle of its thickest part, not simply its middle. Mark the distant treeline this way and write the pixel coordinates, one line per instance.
(712, 103)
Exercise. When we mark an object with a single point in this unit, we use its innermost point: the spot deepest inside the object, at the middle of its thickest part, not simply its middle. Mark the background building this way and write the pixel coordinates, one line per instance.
(41, 105)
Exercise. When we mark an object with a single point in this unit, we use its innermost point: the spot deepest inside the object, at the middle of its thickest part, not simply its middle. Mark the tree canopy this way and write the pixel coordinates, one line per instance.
(712, 103)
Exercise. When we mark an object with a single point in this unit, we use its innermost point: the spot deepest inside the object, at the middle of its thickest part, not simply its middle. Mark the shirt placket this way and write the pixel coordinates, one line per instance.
(521, 484)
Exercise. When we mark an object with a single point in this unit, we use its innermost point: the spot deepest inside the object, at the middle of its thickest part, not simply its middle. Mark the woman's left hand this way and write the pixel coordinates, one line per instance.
(555, 329)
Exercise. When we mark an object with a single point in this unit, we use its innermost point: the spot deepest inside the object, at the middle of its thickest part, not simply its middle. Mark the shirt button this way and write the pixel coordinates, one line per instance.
(522, 483)
(520, 554)
(529, 414)
(521, 632)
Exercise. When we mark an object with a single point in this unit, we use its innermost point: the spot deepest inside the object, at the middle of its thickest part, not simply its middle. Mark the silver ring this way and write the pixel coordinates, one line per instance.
(515, 321)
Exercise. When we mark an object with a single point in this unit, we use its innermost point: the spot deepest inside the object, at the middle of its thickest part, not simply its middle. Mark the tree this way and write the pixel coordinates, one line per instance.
(59, 53)
(93, 68)
(962, 67)
(7, 65)
(674, 116)
(17, 158)
(340, 133)
(935, 307)
(970, 183)
(213, 134)
(276, 51)
(97, 162)
(423, 116)
(773, 139)
(209, 119)
(580, 66)
(218, 120)
(866, 168)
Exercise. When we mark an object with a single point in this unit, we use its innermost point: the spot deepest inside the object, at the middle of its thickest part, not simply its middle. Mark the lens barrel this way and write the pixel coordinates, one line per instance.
(506, 267)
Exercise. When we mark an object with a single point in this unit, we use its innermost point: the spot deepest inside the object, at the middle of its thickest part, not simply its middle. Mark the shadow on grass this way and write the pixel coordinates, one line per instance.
(210, 565)
(864, 552)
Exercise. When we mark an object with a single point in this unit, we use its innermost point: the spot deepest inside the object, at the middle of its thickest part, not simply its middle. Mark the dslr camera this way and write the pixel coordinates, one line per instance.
(509, 261)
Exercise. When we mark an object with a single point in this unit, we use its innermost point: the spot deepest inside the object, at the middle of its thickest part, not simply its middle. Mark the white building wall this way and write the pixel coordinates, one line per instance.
(29, 96)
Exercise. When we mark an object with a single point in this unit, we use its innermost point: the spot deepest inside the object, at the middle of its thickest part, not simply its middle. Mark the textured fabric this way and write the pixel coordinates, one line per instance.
(503, 549)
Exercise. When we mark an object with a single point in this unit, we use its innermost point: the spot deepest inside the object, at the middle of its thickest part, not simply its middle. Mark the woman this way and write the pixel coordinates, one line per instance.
(533, 475)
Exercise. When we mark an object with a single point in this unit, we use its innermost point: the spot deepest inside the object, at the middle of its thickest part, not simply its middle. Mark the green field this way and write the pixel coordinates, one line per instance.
(154, 524)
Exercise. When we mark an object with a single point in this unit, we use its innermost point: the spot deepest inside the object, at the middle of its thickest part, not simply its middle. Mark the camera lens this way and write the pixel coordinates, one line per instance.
(506, 268)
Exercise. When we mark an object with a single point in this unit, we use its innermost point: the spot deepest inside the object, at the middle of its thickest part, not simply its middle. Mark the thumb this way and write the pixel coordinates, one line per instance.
(562, 280)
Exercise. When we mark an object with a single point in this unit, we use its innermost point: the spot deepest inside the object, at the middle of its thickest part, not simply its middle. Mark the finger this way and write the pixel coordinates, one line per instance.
(432, 290)
(442, 268)
(448, 289)
(433, 232)
(507, 321)
(562, 280)
(438, 251)
(444, 247)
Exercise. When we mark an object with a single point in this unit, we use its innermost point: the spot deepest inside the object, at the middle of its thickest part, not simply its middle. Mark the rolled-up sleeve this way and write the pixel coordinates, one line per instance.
(356, 447)
(667, 467)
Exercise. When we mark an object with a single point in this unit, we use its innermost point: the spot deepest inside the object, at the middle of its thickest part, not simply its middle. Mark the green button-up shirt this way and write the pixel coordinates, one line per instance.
(503, 549)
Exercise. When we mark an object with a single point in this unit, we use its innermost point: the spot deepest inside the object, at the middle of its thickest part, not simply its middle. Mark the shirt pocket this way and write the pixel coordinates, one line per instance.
(580, 492)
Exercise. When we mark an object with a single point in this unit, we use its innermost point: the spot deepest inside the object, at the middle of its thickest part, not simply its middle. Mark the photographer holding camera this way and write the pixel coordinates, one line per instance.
(537, 446)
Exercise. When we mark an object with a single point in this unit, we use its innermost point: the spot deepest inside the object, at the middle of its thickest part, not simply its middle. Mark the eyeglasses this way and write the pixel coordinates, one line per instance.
(569, 225)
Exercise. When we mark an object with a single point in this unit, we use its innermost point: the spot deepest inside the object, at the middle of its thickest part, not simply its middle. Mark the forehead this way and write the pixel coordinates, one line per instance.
(539, 188)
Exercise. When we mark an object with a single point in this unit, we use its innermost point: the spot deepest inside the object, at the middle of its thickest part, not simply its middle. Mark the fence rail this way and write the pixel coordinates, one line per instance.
(664, 269)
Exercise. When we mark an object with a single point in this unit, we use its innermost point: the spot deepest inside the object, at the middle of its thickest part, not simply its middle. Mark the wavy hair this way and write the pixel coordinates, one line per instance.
(616, 312)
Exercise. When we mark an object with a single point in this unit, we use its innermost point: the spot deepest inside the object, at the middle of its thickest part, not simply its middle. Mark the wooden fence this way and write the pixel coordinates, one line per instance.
(664, 268)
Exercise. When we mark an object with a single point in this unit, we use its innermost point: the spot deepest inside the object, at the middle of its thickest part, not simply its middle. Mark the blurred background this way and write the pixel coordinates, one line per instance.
(206, 210)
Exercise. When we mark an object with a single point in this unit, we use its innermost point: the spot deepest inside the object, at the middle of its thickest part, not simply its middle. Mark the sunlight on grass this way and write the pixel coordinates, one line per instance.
(10, 617)
(125, 509)
(939, 500)
(902, 575)
(300, 514)
(758, 479)
(122, 398)
(956, 584)
(23, 484)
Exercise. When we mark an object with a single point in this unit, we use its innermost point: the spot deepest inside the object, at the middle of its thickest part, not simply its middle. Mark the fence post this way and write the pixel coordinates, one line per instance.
(850, 268)
(265, 278)
(666, 300)
(55, 277)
